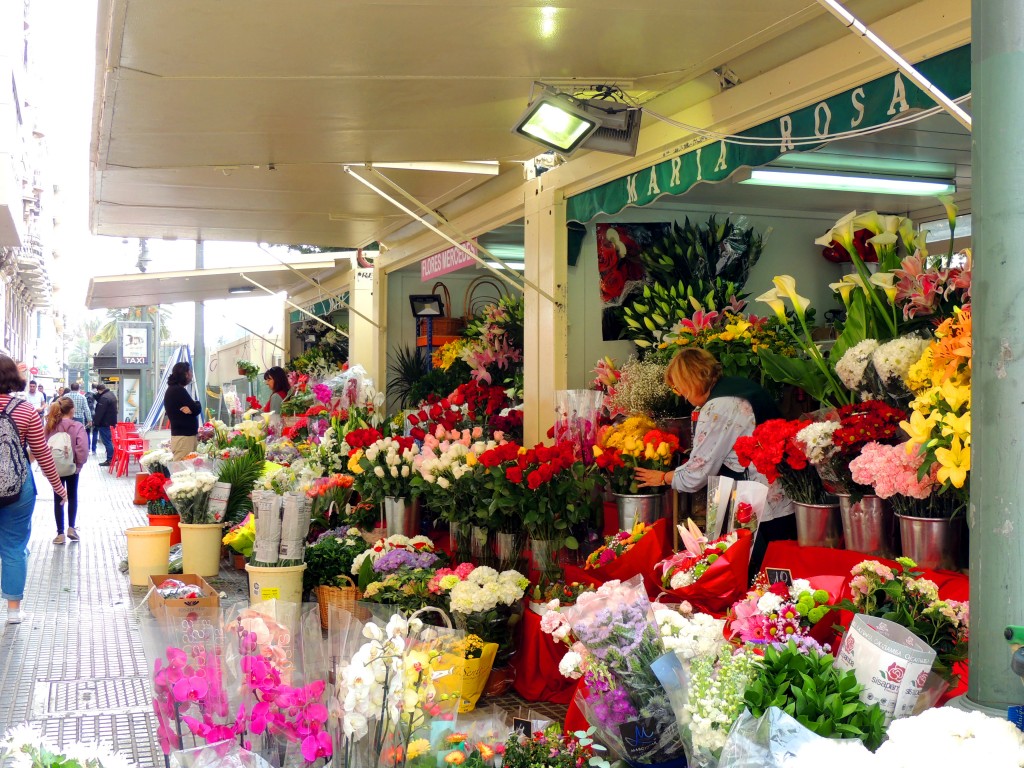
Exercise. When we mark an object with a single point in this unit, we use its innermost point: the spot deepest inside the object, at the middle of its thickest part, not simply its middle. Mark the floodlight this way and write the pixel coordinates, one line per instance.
(426, 305)
(557, 121)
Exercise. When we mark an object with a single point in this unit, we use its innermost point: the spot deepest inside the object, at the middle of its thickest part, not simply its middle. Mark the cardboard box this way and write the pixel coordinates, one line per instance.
(158, 604)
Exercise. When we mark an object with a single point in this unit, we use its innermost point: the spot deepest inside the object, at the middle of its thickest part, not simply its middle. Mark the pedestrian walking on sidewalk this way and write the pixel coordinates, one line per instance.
(70, 448)
(20, 430)
(105, 418)
(182, 411)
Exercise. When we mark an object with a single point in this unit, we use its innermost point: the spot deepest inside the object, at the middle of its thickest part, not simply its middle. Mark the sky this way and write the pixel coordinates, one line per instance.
(62, 49)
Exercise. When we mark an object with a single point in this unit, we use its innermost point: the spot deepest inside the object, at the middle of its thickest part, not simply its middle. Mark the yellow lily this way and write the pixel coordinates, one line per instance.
(884, 280)
(955, 463)
(771, 298)
(955, 394)
(786, 286)
(919, 428)
(957, 426)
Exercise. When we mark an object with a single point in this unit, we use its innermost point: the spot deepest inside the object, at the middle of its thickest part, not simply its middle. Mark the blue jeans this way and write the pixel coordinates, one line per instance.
(107, 442)
(15, 529)
(94, 433)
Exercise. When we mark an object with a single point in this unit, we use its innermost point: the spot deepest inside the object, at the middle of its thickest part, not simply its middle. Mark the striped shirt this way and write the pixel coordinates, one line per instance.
(31, 430)
(82, 412)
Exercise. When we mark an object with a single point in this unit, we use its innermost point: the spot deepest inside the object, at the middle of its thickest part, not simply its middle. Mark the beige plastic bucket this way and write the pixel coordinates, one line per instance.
(200, 548)
(149, 548)
(283, 583)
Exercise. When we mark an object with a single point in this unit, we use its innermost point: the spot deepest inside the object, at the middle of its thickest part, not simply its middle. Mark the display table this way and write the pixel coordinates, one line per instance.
(829, 569)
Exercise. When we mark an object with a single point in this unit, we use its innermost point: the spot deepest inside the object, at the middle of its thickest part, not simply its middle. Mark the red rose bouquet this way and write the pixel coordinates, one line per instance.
(709, 575)
(776, 453)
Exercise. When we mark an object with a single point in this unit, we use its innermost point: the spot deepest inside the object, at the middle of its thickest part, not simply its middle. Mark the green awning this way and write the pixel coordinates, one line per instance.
(872, 104)
(321, 309)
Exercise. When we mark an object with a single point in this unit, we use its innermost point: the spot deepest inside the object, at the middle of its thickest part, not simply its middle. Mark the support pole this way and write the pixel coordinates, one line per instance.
(199, 354)
(996, 514)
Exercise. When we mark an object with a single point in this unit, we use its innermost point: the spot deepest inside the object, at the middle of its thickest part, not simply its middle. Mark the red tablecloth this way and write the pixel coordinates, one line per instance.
(829, 569)
(536, 665)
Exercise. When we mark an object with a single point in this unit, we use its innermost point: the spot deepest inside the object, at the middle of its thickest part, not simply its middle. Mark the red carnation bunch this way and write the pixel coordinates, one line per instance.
(254, 403)
(776, 453)
(867, 422)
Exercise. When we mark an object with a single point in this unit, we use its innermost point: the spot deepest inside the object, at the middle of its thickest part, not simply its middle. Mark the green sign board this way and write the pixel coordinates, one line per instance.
(321, 309)
(871, 104)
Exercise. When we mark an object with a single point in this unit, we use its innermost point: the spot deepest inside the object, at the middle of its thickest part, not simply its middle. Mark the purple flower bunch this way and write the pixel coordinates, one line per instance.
(391, 561)
(191, 682)
(609, 706)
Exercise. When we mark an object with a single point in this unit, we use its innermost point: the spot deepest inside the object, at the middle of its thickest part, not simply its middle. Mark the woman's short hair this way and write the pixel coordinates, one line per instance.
(179, 374)
(11, 379)
(694, 368)
(278, 378)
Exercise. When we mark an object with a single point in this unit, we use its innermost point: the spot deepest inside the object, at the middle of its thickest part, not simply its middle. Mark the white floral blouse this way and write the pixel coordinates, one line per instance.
(719, 422)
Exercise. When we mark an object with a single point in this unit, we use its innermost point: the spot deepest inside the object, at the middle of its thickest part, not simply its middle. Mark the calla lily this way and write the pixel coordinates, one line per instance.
(841, 232)
(771, 298)
(884, 280)
(786, 286)
(892, 223)
(951, 210)
(844, 289)
(869, 220)
(885, 245)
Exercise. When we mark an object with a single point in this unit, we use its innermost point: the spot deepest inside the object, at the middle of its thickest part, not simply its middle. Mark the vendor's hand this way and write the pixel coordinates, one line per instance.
(186, 410)
(650, 478)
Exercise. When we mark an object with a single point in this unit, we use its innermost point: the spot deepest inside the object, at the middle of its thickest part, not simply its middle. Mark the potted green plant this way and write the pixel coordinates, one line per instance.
(247, 369)
(329, 569)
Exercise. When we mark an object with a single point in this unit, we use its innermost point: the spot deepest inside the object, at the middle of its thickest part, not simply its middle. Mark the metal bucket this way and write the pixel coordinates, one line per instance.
(819, 525)
(639, 508)
(931, 542)
(401, 517)
(868, 525)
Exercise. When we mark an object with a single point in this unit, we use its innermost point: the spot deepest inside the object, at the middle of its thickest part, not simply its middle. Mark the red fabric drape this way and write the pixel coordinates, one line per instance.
(536, 665)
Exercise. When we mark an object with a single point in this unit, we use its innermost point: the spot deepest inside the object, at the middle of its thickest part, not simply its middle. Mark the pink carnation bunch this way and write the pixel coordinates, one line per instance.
(891, 470)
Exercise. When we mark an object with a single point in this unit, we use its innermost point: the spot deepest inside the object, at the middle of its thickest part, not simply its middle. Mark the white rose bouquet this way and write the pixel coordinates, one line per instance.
(189, 492)
(157, 461)
(385, 468)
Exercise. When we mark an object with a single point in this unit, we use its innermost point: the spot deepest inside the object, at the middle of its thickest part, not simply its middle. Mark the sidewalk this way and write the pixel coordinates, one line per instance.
(75, 668)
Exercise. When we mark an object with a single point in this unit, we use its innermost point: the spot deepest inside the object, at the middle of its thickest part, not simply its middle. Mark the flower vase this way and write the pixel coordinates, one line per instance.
(868, 525)
(400, 517)
(480, 546)
(546, 554)
(509, 550)
(819, 525)
(931, 542)
(460, 536)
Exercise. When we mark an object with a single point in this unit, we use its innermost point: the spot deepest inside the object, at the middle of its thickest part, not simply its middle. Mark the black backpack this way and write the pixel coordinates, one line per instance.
(13, 458)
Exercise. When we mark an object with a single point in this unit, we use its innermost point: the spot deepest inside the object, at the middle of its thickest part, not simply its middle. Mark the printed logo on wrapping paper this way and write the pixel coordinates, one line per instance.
(922, 679)
(639, 737)
(895, 673)
(848, 643)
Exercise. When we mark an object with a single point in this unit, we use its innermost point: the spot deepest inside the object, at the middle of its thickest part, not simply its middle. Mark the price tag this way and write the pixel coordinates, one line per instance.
(775, 575)
(522, 726)
(271, 593)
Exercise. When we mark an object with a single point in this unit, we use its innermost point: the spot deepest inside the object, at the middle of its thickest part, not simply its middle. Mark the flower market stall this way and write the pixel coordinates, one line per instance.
(435, 541)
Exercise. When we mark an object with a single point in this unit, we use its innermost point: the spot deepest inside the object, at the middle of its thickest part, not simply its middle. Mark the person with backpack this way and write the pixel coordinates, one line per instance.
(20, 430)
(68, 443)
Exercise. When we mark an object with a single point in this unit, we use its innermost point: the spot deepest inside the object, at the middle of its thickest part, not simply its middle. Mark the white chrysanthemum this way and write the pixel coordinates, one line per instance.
(851, 366)
(893, 359)
(816, 440)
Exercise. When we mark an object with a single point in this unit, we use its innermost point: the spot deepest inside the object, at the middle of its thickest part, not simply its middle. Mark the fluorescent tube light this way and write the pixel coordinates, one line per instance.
(777, 177)
(240, 289)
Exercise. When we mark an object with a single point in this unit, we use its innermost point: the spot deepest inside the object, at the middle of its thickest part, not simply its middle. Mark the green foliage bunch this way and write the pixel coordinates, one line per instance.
(809, 688)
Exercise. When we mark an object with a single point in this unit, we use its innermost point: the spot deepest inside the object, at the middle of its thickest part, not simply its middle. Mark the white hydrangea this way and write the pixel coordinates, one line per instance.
(485, 589)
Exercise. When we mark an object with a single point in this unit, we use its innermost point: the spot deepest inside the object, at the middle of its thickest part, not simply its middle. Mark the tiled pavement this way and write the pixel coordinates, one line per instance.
(75, 668)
